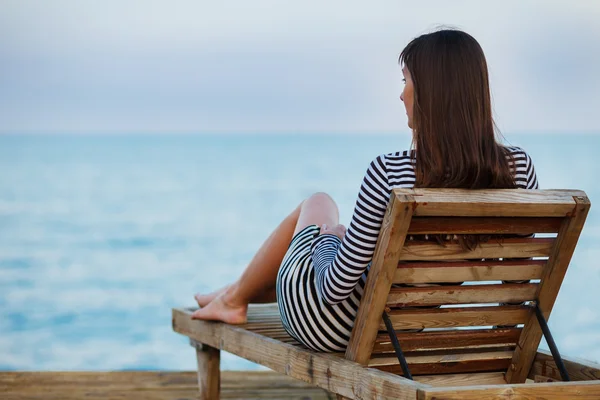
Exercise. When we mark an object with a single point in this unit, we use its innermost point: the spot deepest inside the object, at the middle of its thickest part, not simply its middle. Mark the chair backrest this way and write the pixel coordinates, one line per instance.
(485, 323)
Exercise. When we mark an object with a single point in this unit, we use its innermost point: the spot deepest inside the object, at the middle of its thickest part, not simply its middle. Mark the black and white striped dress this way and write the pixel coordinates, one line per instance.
(321, 279)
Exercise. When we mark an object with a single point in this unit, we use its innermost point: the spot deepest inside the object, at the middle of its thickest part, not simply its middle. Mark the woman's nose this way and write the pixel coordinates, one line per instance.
(402, 96)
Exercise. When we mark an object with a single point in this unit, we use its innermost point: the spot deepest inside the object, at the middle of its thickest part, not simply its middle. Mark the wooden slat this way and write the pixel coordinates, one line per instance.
(484, 378)
(327, 371)
(460, 316)
(446, 363)
(506, 248)
(483, 225)
(551, 281)
(385, 260)
(449, 367)
(491, 203)
(530, 391)
(579, 370)
(463, 294)
(140, 380)
(431, 272)
(151, 385)
(449, 339)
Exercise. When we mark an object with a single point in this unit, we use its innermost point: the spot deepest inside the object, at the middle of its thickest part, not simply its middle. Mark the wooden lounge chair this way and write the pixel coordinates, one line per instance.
(481, 344)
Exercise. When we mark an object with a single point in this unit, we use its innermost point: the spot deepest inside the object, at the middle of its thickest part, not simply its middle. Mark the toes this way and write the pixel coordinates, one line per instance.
(202, 299)
(198, 297)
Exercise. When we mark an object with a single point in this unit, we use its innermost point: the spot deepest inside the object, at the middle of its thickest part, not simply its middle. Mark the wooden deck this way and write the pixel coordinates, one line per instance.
(151, 386)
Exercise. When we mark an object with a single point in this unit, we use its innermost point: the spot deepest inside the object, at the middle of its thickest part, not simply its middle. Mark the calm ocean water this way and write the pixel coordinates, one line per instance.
(101, 236)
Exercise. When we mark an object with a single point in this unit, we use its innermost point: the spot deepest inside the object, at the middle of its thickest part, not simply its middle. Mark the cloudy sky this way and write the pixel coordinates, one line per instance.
(111, 66)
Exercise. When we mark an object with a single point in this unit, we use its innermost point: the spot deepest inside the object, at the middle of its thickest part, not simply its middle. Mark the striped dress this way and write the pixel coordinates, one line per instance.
(321, 278)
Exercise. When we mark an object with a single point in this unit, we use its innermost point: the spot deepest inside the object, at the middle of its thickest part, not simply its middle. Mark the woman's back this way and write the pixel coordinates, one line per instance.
(335, 270)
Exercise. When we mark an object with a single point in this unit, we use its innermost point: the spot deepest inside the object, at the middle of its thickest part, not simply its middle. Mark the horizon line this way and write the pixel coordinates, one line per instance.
(267, 133)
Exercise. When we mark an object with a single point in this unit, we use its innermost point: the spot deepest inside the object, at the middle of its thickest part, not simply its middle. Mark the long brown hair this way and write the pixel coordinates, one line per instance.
(453, 128)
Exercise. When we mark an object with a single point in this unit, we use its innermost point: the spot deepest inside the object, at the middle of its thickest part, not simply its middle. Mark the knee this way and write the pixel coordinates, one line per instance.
(321, 197)
(321, 200)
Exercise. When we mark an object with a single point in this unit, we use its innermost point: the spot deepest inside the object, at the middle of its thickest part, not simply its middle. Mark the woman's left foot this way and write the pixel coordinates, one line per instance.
(220, 310)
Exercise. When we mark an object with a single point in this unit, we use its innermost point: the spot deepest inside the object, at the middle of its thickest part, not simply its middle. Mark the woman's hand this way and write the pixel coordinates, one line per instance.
(338, 230)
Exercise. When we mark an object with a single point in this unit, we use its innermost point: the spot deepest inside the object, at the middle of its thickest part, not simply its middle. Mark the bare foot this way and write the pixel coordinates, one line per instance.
(220, 310)
(204, 299)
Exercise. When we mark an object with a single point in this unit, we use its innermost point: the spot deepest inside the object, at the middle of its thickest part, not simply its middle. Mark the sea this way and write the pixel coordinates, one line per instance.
(101, 235)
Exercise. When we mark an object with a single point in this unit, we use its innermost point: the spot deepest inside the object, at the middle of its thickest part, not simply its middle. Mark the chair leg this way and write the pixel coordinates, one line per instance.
(209, 372)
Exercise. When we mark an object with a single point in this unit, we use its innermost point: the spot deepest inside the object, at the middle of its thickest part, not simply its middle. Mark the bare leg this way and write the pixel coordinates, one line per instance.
(268, 296)
(258, 280)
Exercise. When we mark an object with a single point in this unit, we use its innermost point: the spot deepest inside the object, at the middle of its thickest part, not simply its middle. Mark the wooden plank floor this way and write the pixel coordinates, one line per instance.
(151, 385)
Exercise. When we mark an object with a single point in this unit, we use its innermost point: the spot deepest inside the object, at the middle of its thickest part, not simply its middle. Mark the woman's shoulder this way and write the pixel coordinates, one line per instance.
(517, 153)
(396, 168)
(522, 167)
(391, 162)
(396, 157)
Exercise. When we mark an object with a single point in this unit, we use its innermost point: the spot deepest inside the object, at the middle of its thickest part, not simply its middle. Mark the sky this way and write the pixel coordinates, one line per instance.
(84, 66)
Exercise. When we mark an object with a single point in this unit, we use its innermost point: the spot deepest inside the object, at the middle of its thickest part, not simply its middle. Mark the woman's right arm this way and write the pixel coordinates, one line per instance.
(339, 264)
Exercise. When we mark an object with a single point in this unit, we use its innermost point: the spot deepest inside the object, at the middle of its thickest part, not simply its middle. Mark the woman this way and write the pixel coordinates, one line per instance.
(310, 265)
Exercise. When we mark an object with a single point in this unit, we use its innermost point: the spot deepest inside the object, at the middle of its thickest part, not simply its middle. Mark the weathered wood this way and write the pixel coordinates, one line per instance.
(449, 339)
(446, 363)
(327, 371)
(579, 370)
(440, 359)
(483, 225)
(492, 202)
(209, 373)
(530, 391)
(265, 319)
(466, 294)
(495, 248)
(448, 367)
(385, 260)
(430, 272)
(484, 378)
(138, 385)
(554, 273)
(459, 316)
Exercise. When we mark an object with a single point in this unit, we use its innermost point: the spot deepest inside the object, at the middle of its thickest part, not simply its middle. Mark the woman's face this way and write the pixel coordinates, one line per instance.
(407, 96)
